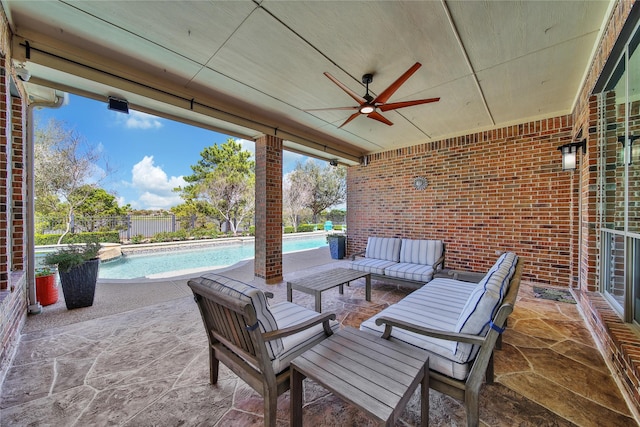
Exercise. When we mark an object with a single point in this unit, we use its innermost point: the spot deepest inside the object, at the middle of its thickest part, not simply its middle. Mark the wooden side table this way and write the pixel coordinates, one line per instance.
(376, 375)
(317, 283)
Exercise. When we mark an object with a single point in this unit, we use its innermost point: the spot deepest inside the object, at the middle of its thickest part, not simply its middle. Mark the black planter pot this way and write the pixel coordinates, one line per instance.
(79, 284)
(337, 246)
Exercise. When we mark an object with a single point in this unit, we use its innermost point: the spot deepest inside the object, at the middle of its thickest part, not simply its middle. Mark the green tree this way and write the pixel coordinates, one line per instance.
(296, 194)
(64, 162)
(92, 201)
(327, 185)
(97, 210)
(198, 209)
(224, 178)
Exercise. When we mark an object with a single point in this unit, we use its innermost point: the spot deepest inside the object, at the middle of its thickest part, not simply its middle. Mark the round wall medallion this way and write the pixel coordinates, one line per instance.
(420, 183)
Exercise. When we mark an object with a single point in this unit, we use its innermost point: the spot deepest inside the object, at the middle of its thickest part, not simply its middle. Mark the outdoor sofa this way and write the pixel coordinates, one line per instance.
(408, 262)
(458, 323)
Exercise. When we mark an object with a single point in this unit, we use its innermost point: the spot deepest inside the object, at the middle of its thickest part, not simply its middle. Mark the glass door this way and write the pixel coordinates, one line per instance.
(619, 168)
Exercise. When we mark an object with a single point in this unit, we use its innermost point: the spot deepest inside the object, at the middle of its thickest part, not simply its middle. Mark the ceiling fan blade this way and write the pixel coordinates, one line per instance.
(359, 99)
(396, 105)
(331, 108)
(379, 117)
(386, 94)
(351, 117)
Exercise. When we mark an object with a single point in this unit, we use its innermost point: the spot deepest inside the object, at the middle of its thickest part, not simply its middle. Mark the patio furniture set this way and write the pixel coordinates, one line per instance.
(441, 336)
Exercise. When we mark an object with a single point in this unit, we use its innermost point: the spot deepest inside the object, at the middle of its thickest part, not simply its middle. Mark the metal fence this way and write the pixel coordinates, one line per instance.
(127, 225)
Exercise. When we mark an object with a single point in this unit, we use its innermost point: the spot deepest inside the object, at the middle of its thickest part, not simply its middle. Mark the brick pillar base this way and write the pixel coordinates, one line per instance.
(268, 260)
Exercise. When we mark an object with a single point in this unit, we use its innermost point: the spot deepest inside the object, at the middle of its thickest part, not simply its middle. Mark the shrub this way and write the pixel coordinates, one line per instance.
(138, 238)
(72, 238)
(72, 256)
(304, 228)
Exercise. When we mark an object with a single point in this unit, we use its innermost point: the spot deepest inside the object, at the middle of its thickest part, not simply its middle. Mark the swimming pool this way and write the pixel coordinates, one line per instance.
(159, 264)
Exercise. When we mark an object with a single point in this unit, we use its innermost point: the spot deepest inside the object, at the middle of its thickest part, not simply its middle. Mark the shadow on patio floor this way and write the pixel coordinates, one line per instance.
(146, 363)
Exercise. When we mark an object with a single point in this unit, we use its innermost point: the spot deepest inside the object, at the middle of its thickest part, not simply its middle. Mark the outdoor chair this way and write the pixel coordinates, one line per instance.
(465, 388)
(253, 339)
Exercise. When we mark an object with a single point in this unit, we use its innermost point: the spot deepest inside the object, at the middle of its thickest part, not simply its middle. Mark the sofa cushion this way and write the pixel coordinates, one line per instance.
(385, 248)
(290, 314)
(371, 265)
(435, 305)
(483, 302)
(425, 252)
(408, 271)
(252, 295)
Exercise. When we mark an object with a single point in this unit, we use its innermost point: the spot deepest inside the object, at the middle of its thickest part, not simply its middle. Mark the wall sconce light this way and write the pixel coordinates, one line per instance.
(333, 162)
(628, 148)
(120, 105)
(570, 154)
(364, 160)
(22, 73)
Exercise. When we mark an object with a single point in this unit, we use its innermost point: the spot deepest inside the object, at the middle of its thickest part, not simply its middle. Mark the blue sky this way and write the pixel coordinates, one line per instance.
(148, 155)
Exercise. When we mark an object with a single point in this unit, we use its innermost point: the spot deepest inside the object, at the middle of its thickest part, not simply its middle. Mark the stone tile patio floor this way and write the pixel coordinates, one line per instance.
(148, 366)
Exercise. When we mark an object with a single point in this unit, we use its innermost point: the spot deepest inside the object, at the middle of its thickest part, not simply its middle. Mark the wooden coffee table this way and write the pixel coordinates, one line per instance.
(317, 283)
(376, 375)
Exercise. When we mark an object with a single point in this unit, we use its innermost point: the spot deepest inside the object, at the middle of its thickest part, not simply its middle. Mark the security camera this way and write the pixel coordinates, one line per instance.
(23, 74)
(333, 162)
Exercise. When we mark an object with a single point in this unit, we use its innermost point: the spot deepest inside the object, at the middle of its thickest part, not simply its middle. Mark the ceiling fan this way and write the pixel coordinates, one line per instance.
(369, 105)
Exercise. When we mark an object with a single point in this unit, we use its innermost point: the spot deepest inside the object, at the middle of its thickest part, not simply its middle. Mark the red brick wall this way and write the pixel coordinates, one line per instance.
(502, 190)
(13, 314)
(618, 341)
(13, 286)
(17, 237)
(5, 191)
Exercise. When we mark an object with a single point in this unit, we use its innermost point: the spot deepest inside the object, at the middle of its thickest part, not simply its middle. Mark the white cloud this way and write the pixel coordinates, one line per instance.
(154, 186)
(248, 145)
(139, 120)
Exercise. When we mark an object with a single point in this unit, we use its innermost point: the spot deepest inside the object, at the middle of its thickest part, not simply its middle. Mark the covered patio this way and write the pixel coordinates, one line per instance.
(148, 365)
(479, 170)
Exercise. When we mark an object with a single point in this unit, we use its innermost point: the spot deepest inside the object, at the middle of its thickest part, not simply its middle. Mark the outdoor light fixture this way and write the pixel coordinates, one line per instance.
(120, 105)
(22, 73)
(333, 162)
(366, 109)
(570, 154)
(628, 148)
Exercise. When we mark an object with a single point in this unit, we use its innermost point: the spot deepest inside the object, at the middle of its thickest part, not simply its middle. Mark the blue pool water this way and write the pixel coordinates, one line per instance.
(176, 261)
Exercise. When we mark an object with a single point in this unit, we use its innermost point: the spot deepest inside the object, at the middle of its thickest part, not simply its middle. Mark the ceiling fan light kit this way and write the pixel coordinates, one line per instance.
(368, 104)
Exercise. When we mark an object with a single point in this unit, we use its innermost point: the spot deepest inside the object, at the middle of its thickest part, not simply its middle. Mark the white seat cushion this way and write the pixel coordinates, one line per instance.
(435, 305)
(252, 295)
(415, 272)
(483, 302)
(425, 252)
(289, 314)
(371, 265)
(385, 248)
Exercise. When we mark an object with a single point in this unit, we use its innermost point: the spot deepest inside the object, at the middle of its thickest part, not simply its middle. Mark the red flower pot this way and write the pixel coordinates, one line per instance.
(46, 289)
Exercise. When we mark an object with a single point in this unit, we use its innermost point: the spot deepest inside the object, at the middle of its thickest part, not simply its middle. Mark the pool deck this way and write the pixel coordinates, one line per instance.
(138, 357)
(119, 296)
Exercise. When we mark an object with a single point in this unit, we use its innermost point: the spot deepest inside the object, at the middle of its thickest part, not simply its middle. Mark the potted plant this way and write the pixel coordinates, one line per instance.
(337, 245)
(78, 270)
(46, 287)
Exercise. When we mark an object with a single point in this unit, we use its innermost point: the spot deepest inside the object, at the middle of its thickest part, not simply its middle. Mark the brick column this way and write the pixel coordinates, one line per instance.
(4, 175)
(268, 261)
